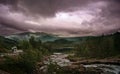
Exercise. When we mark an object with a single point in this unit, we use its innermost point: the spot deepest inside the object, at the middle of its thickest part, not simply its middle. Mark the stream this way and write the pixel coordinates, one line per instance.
(61, 60)
(107, 69)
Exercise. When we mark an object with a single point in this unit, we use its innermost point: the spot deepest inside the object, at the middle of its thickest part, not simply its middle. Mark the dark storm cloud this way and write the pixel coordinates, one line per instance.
(113, 9)
(7, 30)
(50, 7)
(11, 24)
(63, 17)
(11, 2)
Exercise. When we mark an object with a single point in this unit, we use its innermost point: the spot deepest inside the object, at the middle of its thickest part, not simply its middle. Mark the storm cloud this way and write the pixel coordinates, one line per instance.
(61, 17)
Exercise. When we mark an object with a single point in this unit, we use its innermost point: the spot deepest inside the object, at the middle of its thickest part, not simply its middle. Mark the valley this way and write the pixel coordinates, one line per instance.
(44, 53)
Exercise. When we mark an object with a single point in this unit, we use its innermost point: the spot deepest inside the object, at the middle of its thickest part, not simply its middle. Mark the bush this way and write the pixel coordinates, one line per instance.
(23, 64)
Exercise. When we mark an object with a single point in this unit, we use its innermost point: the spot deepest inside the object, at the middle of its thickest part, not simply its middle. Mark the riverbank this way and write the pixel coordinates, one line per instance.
(84, 66)
(109, 65)
(114, 61)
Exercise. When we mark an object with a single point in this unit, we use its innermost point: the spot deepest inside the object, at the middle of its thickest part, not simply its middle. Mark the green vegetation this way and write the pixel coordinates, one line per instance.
(6, 44)
(25, 63)
(35, 49)
(99, 47)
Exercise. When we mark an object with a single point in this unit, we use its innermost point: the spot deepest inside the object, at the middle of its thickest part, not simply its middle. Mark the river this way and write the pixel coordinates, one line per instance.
(107, 69)
(61, 60)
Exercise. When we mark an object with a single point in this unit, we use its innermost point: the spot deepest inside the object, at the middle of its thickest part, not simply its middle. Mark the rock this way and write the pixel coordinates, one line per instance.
(82, 68)
(108, 72)
(40, 64)
(74, 67)
(3, 72)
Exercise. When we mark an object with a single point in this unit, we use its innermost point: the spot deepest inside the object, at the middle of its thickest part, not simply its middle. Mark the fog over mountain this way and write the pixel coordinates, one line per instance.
(61, 17)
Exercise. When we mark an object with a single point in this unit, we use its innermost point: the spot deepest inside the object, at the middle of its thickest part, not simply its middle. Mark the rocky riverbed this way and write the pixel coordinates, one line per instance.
(106, 68)
(83, 66)
(58, 58)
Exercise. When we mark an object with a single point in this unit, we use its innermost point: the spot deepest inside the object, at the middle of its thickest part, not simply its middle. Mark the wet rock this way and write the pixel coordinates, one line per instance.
(112, 69)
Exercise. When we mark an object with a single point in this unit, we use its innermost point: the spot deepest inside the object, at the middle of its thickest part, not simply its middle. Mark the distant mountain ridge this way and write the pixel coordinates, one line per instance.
(38, 35)
(44, 37)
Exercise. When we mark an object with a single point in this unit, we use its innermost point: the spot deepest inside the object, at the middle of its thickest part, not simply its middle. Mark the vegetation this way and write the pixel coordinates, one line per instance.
(99, 47)
(25, 63)
(6, 44)
(34, 51)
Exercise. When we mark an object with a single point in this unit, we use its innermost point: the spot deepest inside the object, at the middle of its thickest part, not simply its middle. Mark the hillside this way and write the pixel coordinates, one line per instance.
(38, 36)
(6, 43)
(101, 46)
(44, 37)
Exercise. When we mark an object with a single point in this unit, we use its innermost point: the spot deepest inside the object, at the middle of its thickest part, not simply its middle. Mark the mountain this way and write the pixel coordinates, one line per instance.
(44, 37)
(38, 36)
(7, 43)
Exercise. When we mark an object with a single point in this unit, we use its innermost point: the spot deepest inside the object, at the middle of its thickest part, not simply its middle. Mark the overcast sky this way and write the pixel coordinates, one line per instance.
(61, 17)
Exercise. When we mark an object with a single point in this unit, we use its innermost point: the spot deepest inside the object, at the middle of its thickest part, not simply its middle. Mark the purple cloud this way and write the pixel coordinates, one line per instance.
(61, 17)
